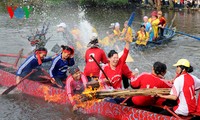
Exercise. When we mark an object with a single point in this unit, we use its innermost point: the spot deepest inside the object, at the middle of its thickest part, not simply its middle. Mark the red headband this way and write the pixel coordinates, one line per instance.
(66, 51)
(38, 56)
(39, 52)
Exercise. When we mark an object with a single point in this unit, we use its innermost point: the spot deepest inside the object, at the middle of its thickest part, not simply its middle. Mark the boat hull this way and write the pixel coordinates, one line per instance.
(52, 94)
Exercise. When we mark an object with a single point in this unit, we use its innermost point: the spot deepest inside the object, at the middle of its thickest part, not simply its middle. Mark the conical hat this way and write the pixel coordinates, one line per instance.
(128, 59)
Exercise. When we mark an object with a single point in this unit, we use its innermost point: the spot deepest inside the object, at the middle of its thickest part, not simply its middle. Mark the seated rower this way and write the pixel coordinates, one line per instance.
(32, 62)
(183, 89)
(59, 66)
(75, 84)
(127, 32)
(142, 36)
(114, 69)
(150, 80)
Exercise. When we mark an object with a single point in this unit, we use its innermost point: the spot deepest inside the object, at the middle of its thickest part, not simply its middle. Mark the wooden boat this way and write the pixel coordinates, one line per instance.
(168, 35)
(57, 95)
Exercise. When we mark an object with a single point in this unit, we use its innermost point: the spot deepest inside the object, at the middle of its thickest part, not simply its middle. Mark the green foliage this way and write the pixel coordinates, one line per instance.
(104, 2)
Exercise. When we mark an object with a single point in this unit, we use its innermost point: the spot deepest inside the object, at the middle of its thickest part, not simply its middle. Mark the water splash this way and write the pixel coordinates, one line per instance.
(85, 27)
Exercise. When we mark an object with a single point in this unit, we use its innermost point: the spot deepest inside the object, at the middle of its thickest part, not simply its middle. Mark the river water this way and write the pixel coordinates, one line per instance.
(13, 33)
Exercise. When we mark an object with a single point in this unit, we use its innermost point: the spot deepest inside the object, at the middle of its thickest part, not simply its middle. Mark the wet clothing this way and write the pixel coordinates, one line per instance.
(115, 76)
(75, 87)
(147, 80)
(29, 64)
(154, 24)
(91, 68)
(147, 26)
(129, 34)
(142, 38)
(58, 69)
(163, 23)
(184, 88)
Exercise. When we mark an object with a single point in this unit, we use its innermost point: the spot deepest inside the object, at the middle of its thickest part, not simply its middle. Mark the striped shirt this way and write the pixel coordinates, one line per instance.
(59, 67)
(29, 64)
(75, 87)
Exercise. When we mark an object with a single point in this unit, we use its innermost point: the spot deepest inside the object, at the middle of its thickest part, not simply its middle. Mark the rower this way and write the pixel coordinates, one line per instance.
(183, 89)
(32, 62)
(91, 69)
(150, 80)
(154, 23)
(142, 36)
(59, 66)
(75, 84)
(162, 23)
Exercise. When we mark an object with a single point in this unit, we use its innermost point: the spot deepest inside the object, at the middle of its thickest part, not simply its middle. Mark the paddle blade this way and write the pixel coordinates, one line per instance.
(9, 89)
(131, 19)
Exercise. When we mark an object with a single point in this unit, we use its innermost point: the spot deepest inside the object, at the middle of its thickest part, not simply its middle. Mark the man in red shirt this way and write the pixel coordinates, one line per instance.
(150, 80)
(91, 68)
(162, 23)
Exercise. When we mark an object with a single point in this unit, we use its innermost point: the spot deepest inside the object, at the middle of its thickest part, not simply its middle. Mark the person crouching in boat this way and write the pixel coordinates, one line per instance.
(142, 36)
(75, 84)
(91, 69)
(183, 89)
(150, 80)
(32, 62)
(60, 64)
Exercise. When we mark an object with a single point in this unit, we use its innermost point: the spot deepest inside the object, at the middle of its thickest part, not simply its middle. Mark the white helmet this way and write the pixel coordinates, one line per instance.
(93, 36)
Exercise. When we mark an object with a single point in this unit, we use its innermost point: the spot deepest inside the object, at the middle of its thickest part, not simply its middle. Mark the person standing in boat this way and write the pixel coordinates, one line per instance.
(75, 84)
(91, 69)
(162, 24)
(154, 23)
(183, 89)
(148, 28)
(60, 64)
(32, 62)
(150, 80)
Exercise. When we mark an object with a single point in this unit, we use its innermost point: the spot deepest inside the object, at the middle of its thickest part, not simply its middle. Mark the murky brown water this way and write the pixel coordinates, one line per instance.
(12, 37)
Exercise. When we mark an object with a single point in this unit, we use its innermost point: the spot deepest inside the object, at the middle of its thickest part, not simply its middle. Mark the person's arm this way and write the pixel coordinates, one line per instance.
(71, 61)
(135, 81)
(47, 59)
(171, 97)
(69, 90)
(53, 67)
(84, 80)
(104, 58)
(18, 79)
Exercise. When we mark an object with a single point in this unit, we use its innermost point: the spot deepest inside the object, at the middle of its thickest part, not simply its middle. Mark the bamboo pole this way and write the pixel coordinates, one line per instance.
(126, 93)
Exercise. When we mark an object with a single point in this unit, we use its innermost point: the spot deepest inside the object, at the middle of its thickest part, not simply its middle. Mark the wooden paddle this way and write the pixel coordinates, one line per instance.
(182, 33)
(100, 68)
(14, 86)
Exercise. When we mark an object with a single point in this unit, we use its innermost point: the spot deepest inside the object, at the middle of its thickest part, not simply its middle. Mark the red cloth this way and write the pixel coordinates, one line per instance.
(147, 80)
(91, 67)
(127, 72)
(115, 76)
(162, 21)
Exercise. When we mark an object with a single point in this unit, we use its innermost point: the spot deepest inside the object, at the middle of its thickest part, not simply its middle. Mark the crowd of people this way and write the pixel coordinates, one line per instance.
(114, 72)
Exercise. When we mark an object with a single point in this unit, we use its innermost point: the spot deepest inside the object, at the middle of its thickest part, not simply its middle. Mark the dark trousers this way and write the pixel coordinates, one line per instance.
(91, 78)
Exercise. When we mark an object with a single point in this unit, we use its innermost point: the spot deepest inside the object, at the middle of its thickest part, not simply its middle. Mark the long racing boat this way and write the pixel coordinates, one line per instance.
(57, 95)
